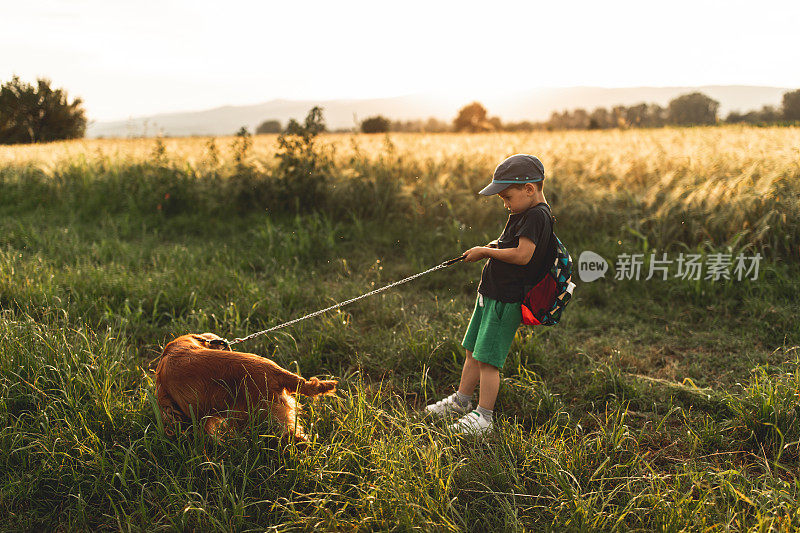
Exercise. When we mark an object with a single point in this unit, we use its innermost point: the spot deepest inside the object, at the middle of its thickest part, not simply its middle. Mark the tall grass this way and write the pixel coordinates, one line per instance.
(732, 186)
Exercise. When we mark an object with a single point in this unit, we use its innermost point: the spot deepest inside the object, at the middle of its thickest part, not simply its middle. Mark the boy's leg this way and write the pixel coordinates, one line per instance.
(490, 348)
(488, 376)
(490, 385)
(460, 401)
(480, 420)
(493, 345)
(470, 375)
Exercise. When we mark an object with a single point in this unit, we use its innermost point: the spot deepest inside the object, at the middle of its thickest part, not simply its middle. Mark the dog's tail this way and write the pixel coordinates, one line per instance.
(315, 387)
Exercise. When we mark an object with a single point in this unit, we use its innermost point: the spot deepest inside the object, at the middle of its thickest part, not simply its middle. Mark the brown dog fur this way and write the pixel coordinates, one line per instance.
(216, 386)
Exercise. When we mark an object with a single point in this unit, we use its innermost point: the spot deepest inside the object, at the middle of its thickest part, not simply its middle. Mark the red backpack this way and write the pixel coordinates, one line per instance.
(544, 303)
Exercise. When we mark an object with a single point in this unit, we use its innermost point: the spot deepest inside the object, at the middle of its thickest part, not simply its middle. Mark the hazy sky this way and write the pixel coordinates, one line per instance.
(137, 58)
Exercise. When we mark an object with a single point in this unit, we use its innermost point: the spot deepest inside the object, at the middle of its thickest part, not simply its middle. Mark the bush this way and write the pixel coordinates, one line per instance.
(269, 126)
(303, 170)
(377, 124)
(692, 109)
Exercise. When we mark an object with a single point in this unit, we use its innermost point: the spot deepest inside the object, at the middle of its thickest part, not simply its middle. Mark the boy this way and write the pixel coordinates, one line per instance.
(518, 259)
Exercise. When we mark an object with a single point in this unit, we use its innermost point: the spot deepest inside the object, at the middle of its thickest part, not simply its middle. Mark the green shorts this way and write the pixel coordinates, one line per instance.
(491, 330)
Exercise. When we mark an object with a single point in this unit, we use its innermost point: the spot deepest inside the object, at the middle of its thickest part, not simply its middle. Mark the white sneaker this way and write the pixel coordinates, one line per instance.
(472, 423)
(447, 406)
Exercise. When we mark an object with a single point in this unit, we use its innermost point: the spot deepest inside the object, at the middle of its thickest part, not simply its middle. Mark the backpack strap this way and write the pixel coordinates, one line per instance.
(550, 213)
(553, 245)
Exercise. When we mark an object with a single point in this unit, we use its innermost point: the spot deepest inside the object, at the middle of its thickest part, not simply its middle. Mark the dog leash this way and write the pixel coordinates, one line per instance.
(227, 344)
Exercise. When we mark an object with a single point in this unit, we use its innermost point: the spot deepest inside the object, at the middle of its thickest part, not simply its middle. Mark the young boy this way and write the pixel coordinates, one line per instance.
(518, 259)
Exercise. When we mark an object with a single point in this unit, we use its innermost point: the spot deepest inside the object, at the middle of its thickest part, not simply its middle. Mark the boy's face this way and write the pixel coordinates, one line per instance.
(518, 199)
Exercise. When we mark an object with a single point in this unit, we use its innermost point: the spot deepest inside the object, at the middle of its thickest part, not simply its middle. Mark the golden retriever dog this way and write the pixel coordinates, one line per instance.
(198, 375)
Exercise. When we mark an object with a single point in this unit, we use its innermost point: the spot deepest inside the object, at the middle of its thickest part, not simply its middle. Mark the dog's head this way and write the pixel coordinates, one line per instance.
(211, 340)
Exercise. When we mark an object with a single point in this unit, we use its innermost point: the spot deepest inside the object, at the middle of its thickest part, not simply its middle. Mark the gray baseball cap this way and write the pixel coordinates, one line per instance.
(519, 168)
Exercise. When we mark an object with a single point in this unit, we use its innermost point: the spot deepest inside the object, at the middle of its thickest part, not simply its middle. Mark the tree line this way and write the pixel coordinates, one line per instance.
(37, 113)
(685, 110)
(693, 109)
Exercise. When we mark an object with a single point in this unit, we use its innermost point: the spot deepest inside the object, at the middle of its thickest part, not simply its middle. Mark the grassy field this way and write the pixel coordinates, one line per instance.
(654, 405)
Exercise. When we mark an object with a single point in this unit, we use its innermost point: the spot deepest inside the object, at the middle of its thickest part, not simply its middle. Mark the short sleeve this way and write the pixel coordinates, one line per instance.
(536, 226)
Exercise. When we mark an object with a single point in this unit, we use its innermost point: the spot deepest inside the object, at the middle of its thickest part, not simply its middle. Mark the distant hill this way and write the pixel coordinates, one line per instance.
(534, 105)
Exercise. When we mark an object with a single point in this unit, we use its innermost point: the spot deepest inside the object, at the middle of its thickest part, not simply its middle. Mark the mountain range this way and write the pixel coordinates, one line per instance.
(512, 106)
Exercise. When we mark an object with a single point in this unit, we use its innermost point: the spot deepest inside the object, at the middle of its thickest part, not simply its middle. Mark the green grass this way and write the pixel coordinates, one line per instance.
(653, 405)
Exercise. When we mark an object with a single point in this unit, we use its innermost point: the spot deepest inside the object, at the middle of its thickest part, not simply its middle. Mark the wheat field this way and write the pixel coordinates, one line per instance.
(732, 185)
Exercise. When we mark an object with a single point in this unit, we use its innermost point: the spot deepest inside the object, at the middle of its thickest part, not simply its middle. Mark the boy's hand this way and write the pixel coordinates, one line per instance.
(475, 254)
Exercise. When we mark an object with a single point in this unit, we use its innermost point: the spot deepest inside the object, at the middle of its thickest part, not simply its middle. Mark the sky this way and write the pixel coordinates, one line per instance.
(128, 59)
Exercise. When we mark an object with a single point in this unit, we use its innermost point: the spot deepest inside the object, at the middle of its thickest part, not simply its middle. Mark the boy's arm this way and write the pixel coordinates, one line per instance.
(520, 255)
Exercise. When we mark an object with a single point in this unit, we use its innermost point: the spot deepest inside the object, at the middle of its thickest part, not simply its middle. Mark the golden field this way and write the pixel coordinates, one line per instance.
(734, 186)
(632, 153)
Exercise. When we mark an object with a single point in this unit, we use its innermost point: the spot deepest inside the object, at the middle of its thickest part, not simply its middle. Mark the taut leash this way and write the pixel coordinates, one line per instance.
(226, 343)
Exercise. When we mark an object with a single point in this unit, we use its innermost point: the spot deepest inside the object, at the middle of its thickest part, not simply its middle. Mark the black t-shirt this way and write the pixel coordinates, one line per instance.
(507, 282)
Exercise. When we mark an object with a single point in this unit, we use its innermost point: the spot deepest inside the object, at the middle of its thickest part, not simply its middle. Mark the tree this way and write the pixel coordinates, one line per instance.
(524, 125)
(769, 114)
(269, 126)
(434, 125)
(315, 122)
(617, 118)
(656, 116)
(496, 123)
(38, 113)
(376, 124)
(636, 115)
(791, 105)
(558, 120)
(314, 125)
(598, 119)
(472, 118)
(293, 127)
(693, 108)
(579, 119)
(735, 117)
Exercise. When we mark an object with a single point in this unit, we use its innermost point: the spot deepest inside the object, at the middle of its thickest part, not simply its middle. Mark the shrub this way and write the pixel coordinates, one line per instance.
(303, 170)
(377, 124)
(269, 126)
